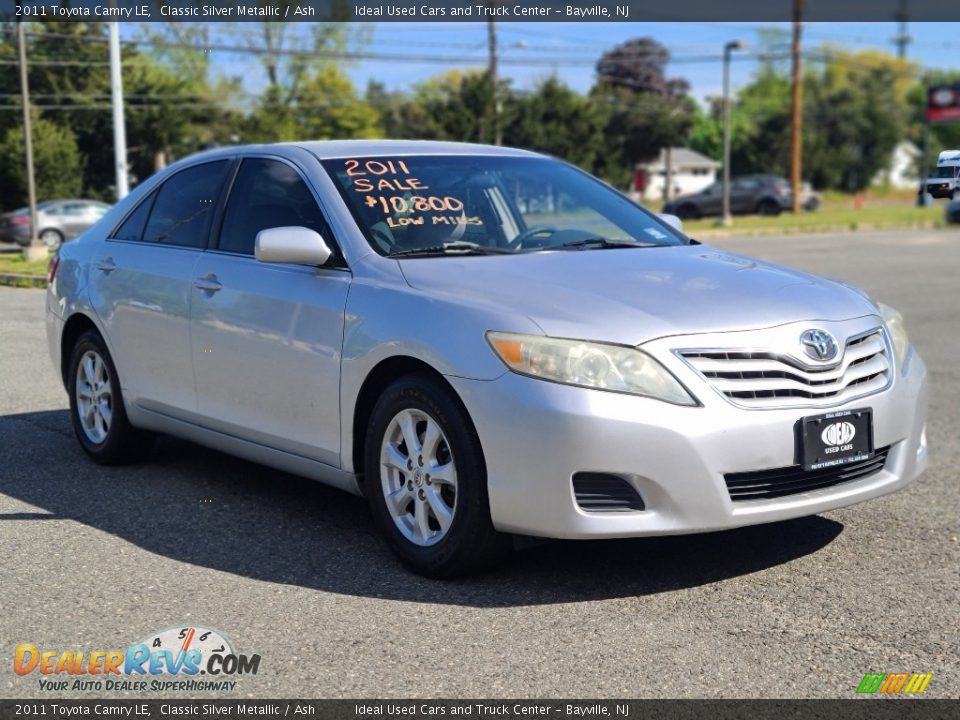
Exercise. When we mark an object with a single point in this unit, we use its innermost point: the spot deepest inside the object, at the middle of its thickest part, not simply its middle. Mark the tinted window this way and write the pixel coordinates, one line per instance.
(132, 227)
(267, 194)
(181, 213)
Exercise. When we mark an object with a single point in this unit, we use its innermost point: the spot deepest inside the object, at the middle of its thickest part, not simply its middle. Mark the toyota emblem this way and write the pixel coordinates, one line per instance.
(819, 344)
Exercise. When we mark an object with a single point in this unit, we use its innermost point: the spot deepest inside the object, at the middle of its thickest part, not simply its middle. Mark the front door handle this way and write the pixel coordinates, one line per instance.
(208, 283)
(107, 265)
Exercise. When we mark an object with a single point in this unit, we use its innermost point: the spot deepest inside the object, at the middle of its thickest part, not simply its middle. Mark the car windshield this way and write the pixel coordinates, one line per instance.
(945, 172)
(460, 205)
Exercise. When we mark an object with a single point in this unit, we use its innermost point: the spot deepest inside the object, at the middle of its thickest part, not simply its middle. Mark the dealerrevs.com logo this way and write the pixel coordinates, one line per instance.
(177, 658)
(904, 683)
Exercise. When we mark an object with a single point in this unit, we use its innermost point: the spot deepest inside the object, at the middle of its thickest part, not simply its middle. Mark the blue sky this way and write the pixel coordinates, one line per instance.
(935, 45)
(532, 51)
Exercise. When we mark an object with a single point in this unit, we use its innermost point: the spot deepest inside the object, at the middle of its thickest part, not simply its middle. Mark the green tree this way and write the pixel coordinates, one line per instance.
(451, 106)
(854, 109)
(57, 164)
(854, 116)
(554, 119)
(643, 110)
(325, 106)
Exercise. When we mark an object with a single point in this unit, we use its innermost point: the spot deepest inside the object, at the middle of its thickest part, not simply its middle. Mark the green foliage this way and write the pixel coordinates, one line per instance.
(853, 123)
(854, 115)
(857, 106)
(57, 164)
(555, 120)
(452, 106)
(324, 106)
(643, 110)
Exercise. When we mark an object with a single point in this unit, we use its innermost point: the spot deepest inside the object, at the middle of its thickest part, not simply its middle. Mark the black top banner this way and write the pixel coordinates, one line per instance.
(467, 11)
(425, 709)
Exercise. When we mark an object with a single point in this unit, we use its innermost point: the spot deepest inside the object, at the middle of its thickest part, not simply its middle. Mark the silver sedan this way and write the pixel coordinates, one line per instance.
(484, 342)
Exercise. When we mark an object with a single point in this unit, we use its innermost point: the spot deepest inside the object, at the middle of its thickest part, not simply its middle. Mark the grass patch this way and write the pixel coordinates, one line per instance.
(14, 263)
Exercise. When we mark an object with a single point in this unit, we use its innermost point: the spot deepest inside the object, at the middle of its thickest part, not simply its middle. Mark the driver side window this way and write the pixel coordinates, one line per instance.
(267, 194)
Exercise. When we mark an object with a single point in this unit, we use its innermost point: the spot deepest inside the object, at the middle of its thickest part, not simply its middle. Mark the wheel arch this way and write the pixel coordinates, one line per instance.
(75, 326)
(377, 380)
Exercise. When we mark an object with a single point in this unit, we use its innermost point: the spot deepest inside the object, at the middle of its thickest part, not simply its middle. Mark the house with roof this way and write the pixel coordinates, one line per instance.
(689, 172)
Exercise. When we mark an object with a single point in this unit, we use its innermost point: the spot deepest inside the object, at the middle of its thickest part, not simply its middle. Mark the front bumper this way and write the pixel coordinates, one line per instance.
(537, 434)
(940, 191)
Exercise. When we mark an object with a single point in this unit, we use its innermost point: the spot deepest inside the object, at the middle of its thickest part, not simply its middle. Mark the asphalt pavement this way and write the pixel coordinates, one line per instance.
(98, 558)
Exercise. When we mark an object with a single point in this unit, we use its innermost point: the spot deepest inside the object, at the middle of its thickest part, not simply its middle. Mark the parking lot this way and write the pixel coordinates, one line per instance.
(99, 558)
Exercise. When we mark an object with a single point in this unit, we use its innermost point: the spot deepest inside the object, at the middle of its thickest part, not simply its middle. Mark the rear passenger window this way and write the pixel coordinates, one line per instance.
(132, 227)
(267, 194)
(184, 204)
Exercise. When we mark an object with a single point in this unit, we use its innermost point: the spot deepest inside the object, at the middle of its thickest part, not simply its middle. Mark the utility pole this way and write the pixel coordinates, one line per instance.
(119, 125)
(902, 38)
(492, 72)
(35, 250)
(796, 125)
(727, 49)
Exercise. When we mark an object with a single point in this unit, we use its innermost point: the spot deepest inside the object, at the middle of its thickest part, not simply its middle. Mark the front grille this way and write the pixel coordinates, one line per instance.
(599, 492)
(770, 380)
(763, 484)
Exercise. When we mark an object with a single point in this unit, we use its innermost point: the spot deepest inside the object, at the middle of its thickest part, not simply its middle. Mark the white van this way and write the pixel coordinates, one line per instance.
(942, 182)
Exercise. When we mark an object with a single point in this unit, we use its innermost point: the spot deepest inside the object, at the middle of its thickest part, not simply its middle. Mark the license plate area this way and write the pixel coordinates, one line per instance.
(837, 438)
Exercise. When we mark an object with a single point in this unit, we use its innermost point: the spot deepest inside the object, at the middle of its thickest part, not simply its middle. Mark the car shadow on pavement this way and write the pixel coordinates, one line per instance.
(198, 506)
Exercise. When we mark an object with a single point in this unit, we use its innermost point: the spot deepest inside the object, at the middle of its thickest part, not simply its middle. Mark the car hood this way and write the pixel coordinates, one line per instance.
(630, 296)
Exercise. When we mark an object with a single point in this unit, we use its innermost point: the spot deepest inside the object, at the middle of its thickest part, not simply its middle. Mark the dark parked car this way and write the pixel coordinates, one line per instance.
(762, 194)
(57, 221)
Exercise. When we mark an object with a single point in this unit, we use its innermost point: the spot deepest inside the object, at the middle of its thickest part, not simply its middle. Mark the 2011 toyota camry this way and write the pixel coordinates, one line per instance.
(484, 342)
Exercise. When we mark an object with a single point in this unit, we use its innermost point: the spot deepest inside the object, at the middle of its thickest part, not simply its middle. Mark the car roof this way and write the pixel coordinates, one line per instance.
(72, 200)
(330, 149)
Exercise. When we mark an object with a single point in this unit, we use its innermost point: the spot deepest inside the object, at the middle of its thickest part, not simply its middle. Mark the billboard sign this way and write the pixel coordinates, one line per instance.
(943, 103)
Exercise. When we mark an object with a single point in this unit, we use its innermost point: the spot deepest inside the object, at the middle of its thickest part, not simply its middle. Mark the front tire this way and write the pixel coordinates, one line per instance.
(769, 207)
(426, 481)
(96, 405)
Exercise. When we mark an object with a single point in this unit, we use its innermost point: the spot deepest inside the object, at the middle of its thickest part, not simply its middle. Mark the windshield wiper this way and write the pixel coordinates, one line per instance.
(601, 242)
(460, 247)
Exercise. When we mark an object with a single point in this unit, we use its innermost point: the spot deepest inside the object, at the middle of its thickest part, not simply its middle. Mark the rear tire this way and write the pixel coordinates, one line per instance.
(430, 501)
(53, 239)
(96, 405)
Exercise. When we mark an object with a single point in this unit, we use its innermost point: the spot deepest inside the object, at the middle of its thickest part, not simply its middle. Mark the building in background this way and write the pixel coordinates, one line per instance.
(690, 173)
(902, 172)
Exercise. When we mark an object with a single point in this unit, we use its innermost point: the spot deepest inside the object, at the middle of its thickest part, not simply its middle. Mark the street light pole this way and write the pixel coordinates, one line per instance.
(33, 251)
(119, 125)
(727, 50)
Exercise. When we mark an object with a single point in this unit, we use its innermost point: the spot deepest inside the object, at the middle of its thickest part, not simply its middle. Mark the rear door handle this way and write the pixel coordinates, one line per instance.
(208, 283)
(107, 265)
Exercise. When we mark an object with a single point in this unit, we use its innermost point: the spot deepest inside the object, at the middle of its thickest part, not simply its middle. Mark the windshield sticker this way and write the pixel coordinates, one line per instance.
(654, 232)
(404, 208)
(388, 175)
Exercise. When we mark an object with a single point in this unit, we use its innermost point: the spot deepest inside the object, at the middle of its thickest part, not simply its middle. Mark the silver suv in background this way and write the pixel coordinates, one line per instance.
(482, 342)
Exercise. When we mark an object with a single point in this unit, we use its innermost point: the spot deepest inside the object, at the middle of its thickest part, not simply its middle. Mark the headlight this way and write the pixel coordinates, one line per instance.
(897, 330)
(590, 365)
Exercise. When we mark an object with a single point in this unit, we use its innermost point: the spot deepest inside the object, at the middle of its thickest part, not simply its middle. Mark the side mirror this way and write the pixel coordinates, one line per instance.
(672, 220)
(291, 245)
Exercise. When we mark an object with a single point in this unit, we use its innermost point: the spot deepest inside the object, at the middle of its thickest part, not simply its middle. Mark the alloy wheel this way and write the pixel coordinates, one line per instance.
(50, 238)
(419, 477)
(94, 397)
